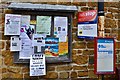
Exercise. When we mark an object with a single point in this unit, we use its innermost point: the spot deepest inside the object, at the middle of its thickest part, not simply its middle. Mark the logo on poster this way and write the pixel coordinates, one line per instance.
(87, 16)
(101, 46)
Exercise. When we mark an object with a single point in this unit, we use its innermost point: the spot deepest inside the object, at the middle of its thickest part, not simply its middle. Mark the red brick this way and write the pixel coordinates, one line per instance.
(49, 68)
(74, 30)
(105, 9)
(81, 68)
(14, 70)
(114, 31)
(79, 45)
(64, 75)
(107, 30)
(73, 74)
(74, 52)
(90, 45)
(1, 29)
(84, 9)
(2, 37)
(117, 16)
(76, 3)
(83, 73)
(81, 59)
(8, 59)
(1, 61)
(64, 3)
(12, 75)
(109, 15)
(111, 4)
(119, 23)
(92, 4)
(88, 52)
(118, 37)
(79, 52)
(4, 70)
(89, 40)
(92, 8)
(2, 44)
(118, 45)
(113, 10)
(90, 66)
(92, 74)
(118, 58)
(75, 21)
(25, 69)
(110, 23)
(8, 45)
(74, 37)
(64, 68)
(51, 75)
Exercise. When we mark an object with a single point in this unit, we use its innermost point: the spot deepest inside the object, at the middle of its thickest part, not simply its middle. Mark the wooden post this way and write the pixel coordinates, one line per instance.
(101, 22)
(101, 18)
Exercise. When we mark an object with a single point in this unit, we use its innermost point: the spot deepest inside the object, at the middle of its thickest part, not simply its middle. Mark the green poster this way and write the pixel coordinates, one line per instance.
(43, 25)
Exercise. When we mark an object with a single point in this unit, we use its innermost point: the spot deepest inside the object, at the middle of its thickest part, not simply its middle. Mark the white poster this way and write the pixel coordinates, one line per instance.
(61, 28)
(26, 38)
(15, 44)
(87, 30)
(12, 24)
(38, 41)
(105, 55)
(37, 65)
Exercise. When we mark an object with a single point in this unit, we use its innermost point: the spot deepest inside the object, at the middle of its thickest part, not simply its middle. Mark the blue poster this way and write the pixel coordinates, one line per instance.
(105, 55)
(51, 47)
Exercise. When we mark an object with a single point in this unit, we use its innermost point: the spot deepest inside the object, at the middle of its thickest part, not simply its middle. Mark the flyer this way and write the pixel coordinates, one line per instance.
(25, 20)
(61, 28)
(26, 49)
(12, 24)
(37, 65)
(15, 43)
(43, 25)
(51, 47)
(26, 40)
(105, 55)
(38, 41)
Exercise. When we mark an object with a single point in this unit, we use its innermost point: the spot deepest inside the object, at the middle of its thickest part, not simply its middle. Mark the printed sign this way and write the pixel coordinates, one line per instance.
(12, 24)
(104, 56)
(87, 24)
(15, 44)
(37, 65)
(61, 28)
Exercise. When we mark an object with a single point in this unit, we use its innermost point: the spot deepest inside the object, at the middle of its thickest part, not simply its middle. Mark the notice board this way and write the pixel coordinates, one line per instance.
(104, 56)
(44, 29)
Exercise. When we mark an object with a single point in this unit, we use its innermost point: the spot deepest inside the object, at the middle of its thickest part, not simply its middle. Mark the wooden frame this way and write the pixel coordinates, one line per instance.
(69, 15)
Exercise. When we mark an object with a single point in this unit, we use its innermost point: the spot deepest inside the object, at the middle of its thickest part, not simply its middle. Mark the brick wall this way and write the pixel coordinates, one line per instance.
(82, 49)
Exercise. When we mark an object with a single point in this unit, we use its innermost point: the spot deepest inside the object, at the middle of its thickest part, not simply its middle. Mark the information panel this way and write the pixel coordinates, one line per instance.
(104, 56)
(87, 24)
